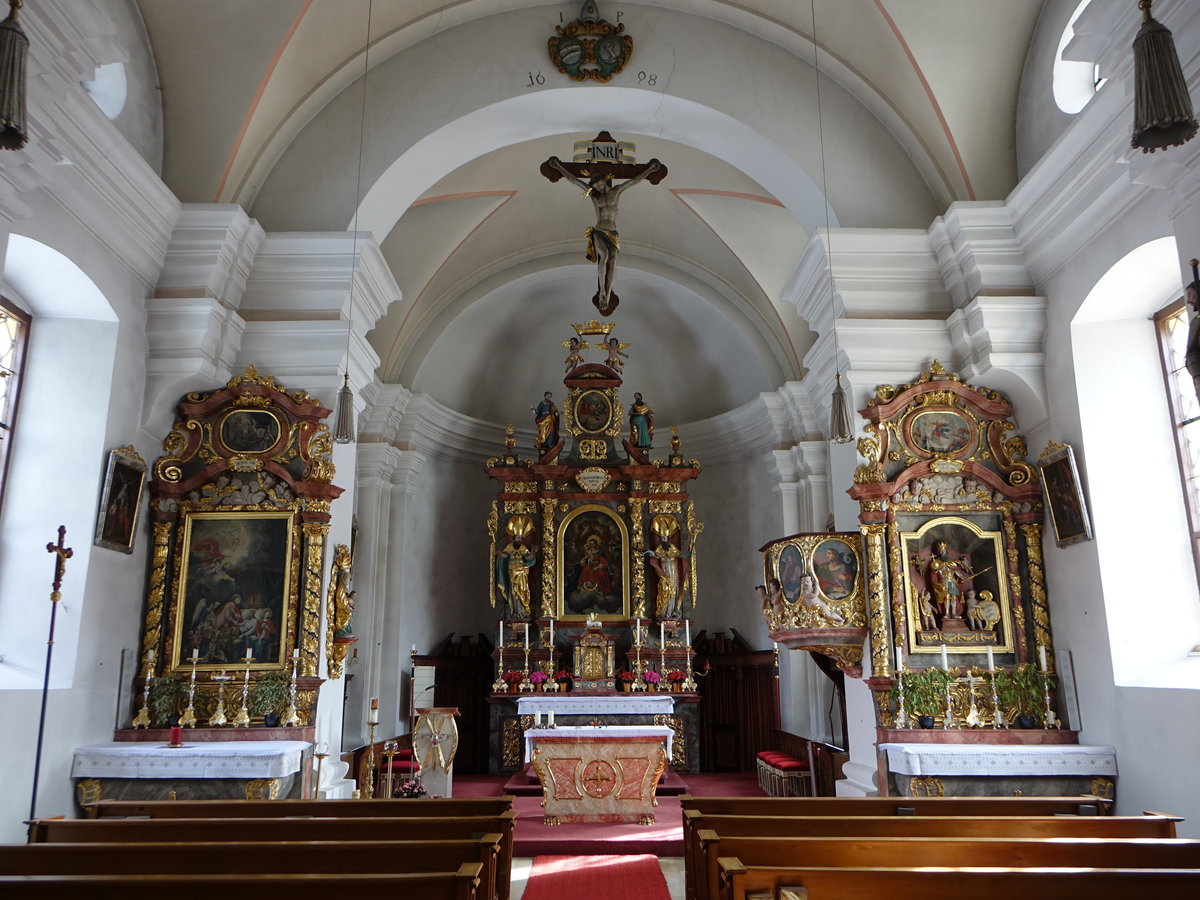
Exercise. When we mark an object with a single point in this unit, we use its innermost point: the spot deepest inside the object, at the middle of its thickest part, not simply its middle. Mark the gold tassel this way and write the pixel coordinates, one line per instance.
(14, 50)
(1162, 107)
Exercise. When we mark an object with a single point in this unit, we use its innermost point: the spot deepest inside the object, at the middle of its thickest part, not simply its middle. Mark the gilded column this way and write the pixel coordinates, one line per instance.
(310, 600)
(637, 540)
(1037, 590)
(877, 607)
(694, 530)
(549, 555)
(152, 633)
(493, 527)
(899, 613)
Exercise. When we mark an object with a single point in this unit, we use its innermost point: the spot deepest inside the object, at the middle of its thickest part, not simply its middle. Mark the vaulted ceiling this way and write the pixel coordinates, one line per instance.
(437, 152)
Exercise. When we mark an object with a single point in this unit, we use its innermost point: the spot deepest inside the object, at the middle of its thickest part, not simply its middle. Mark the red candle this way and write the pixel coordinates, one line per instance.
(176, 736)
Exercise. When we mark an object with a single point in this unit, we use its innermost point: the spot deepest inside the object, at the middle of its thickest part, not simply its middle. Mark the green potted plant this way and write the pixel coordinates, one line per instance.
(269, 696)
(924, 693)
(166, 693)
(1021, 691)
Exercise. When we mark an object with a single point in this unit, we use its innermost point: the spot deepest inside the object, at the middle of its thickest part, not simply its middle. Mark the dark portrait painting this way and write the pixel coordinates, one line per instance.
(593, 412)
(791, 567)
(249, 431)
(1064, 497)
(592, 553)
(120, 500)
(234, 587)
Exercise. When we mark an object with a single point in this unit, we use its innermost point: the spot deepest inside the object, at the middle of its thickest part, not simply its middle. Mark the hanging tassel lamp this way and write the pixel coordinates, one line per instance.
(14, 50)
(343, 410)
(841, 430)
(343, 415)
(1162, 108)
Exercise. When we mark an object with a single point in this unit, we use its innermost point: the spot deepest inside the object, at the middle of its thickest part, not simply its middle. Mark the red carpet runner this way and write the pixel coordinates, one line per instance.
(596, 878)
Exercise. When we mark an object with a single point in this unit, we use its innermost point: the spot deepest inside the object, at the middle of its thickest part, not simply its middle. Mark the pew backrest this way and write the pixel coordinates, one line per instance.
(253, 809)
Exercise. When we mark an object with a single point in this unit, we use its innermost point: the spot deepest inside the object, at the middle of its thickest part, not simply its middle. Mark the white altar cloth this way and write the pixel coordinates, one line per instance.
(1000, 759)
(603, 731)
(632, 704)
(215, 759)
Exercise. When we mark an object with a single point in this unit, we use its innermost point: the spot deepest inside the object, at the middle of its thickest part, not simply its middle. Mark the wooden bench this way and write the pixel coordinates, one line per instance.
(1115, 853)
(862, 826)
(742, 882)
(895, 806)
(253, 809)
(216, 858)
(460, 884)
(284, 829)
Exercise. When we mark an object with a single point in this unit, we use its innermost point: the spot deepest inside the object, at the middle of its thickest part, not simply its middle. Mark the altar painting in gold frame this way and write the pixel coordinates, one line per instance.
(955, 584)
(593, 565)
(235, 589)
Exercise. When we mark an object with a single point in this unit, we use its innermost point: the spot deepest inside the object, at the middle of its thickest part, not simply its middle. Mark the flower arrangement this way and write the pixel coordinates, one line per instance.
(626, 676)
(538, 676)
(562, 675)
(512, 678)
(410, 789)
(651, 677)
(676, 676)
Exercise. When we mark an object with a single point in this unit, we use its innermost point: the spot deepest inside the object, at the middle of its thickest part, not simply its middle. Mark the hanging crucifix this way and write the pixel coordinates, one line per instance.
(595, 166)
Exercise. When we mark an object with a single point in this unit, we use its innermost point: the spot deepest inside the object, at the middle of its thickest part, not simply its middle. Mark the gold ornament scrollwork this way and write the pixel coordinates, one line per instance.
(695, 529)
(152, 632)
(493, 527)
(520, 507)
(1037, 591)
(926, 786)
(338, 609)
(310, 606)
(549, 606)
(262, 789)
(877, 607)
(637, 512)
(678, 742)
(87, 791)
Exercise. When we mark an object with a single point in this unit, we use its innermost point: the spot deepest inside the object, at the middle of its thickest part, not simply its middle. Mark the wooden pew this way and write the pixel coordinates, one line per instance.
(460, 884)
(846, 852)
(230, 859)
(895, 806)
(1152, 826)
(742, 882)
(285, 829)
(254, 809)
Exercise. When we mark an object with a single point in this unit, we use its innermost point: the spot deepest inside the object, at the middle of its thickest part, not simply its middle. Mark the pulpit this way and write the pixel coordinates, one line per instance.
(599, 775)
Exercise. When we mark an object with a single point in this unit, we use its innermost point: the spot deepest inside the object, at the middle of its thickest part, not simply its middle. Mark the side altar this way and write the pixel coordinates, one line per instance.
(593, 543)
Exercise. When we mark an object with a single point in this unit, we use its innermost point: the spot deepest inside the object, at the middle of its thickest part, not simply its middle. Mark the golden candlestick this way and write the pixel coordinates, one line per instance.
(320, 751)
(242, 719)
(142, 720)
(188, 719)
(369, 792)
(291, 716)
(389, 751)
(218, 719)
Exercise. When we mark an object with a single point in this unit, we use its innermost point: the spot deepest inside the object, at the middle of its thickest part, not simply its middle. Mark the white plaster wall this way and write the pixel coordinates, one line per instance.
(140, 122)
(441, 80)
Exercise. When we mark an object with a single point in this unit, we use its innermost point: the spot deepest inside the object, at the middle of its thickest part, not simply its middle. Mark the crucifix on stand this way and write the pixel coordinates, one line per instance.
(61, 554)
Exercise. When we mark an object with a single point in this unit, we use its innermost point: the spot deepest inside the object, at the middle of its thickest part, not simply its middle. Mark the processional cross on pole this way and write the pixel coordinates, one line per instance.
(595, 164)
(61, 554)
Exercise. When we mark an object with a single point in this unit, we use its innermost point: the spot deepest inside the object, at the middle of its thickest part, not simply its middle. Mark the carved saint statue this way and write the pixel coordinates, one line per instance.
(513, 563)
(545, 416)
(641, 423)
(668, 563)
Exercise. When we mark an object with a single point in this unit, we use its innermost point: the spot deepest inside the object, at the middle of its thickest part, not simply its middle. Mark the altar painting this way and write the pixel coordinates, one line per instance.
(234, 587)
(956, 586)
(593, 562)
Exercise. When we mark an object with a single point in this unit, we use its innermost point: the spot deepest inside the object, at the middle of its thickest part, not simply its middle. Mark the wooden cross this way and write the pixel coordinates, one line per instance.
(62, 554)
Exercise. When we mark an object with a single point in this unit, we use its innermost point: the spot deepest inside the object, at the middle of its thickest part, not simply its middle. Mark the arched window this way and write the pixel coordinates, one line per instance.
(1074, 82)
(1173, 325)
(14, 335)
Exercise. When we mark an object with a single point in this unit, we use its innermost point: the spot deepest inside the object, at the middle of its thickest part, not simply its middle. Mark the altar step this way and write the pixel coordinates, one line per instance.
(525, 784)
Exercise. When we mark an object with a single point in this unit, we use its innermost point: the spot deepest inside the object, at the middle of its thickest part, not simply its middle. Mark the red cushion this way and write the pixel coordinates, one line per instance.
(789, 765)
(400, 765)
(770, 754)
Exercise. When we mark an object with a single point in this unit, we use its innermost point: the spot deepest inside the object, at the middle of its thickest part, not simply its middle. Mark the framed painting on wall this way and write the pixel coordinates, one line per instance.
(1064, 495)
(593, 562)
(120, 500)
(235, 588)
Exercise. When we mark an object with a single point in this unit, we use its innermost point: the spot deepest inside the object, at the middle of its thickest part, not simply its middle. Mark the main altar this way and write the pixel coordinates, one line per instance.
(593, 548)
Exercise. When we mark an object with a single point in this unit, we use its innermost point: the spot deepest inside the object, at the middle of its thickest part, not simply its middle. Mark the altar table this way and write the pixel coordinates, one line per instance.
(638, 704)
(145, 770)
(533, 736)
(974, 769)
(599, 774)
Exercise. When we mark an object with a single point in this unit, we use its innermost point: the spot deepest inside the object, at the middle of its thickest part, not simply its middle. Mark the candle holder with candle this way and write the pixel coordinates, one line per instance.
(368, 789)
(142, 719)
(320, 751)
(291, 716)
(242, 719)
(218, 719)
(188, 719)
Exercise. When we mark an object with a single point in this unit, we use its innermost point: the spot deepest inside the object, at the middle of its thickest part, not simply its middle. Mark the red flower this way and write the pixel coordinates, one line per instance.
(512, 677)
(675, 676)
(538, 676)
(626, 675)
(651, 677)
(562, 675)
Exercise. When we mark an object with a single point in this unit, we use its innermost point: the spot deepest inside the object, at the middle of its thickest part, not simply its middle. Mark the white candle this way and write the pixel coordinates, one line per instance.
(501, 633)
(195, 653)
(1042, 657)
(414, 648)
(550, 718)
(687, 631)
(991, 660)
(526, 635)
(551, 634)
(945, 659)
(899, 657)
(537, 718)
(662, 631)
(150, 653)
(373, 713)
(295, 653)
